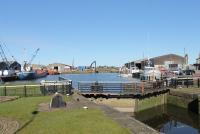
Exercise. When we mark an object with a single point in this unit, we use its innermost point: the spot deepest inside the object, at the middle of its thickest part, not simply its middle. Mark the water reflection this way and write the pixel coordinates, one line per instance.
(170, 120)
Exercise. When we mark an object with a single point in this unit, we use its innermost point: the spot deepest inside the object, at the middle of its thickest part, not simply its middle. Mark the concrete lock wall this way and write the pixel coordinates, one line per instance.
(198, 104)
(147, 103)
(138, 105)
(191, 104)
(178, 101)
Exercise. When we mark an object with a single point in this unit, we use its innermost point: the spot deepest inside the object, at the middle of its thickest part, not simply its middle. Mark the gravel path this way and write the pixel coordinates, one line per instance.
(7, 98)
(8, 126)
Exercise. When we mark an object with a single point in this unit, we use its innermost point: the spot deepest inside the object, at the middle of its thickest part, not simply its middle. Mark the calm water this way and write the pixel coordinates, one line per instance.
(82, 77)
(171, 120)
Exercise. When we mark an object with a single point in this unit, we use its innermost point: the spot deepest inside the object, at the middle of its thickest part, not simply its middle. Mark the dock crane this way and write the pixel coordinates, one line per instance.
(33, 57)
(3, 56)
(26, 65)
(95, 66)
(7, 71)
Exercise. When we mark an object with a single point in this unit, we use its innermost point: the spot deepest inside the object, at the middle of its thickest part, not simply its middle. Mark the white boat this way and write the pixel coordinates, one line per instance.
(150, 74)
(136, 72)
(126, 75)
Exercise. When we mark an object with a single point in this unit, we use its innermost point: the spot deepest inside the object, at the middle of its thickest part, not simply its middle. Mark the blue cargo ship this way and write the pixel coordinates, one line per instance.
(29, 75)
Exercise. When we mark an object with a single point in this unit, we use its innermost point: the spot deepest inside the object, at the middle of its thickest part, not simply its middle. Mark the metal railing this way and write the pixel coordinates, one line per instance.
(184, 82)
(119, 87)
(34, 90)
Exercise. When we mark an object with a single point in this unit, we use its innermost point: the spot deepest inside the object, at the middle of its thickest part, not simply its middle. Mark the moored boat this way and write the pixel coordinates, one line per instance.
(136, 72)
(150, 74)
(33, 74)
(8, 75)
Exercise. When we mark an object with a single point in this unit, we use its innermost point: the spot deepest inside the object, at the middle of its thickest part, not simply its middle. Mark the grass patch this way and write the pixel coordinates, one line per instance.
(21, 109)
(77, 121)
(57, 122)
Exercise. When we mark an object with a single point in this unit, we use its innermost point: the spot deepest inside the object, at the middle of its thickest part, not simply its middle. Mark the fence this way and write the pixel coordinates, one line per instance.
(119, 87)
(35, 90)
(185, 83)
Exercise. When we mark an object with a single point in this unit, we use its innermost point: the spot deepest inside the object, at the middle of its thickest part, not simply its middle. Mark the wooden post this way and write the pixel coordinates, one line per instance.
(25, 94)
(54, 88)
(166, 83)
(142, 87)
(199, 104)
(175, 83)
(44, 90)
(63, 89)
(5, 91)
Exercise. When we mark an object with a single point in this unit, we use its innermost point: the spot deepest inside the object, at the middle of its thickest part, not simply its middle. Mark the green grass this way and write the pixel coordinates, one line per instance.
(60, 121)
(73, 122)
(21, 109)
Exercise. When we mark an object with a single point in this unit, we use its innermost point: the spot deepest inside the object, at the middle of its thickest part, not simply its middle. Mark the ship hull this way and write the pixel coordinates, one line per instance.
(31, 75)
(8, 78)
(26, 75)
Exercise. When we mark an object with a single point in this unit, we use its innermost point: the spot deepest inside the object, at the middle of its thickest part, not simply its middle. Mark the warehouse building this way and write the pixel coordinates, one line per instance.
(197, 65)
(59, 67)
(169, 61)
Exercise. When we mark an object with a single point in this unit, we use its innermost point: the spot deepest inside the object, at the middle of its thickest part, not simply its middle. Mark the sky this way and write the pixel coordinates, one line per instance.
(112, 32)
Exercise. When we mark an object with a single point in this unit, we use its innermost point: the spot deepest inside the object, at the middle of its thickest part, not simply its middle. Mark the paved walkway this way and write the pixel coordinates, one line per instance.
(7, 98)
(8, 126)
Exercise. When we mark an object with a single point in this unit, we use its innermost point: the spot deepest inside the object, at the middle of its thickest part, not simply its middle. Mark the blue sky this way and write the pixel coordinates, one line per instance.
(109, 31)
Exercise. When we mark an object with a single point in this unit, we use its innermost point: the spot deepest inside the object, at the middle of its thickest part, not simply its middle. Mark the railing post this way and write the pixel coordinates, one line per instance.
(5, 91)
(142, 87)
(44, 90)
(187, 82)
(175, 83)
(166, 83)
(135, 87)
(25, 94)
(70, 87)
(54, 88)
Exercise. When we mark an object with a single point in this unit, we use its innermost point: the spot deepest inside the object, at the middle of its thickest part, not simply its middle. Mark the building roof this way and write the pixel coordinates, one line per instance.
(166, 56)
(58, 64)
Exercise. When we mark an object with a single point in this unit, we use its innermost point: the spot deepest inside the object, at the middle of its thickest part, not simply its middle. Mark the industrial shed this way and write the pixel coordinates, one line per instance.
(169, 58)
(167, 61)
(59, 67)
(197, 65)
